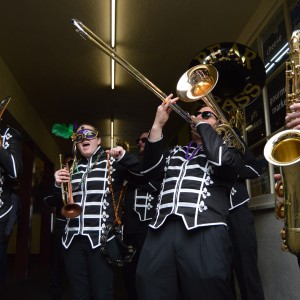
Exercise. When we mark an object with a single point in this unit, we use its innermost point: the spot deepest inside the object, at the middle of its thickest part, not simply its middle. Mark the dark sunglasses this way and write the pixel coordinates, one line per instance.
(141, 139)
(205, 114)
(86, 134)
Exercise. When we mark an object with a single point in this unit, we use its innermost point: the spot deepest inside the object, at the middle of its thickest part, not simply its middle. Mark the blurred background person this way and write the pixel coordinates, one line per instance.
(242, 231)
(58, 271)
(138, 209)
(10, 169)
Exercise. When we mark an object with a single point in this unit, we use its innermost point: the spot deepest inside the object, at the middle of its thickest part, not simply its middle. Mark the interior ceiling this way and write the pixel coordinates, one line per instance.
(67, 78)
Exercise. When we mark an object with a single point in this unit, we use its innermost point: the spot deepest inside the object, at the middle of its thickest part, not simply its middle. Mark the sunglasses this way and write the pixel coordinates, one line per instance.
(143, 140)
(85, 134)
(205, 114)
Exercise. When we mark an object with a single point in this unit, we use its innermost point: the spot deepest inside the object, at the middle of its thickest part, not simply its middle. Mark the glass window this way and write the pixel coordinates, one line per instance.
(276, 100)
(255, 121)
(275, 43)
(294, 6)
(261, 185)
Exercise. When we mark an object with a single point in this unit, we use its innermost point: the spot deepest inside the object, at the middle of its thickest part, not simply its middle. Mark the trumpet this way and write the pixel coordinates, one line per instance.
(70, 209)
(194, 84)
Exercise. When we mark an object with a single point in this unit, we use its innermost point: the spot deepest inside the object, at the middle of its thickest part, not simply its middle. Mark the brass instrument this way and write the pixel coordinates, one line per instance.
(86, 33)
(195, 84)
(283, 150)
(70, 209)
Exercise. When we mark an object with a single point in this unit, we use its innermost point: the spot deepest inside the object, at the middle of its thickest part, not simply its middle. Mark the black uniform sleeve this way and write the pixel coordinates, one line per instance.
(153, 160)
(11, 153)
(251, 167)
(228, 161)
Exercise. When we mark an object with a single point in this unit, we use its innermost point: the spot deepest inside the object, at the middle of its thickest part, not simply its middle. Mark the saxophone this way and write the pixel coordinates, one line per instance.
(283, 150)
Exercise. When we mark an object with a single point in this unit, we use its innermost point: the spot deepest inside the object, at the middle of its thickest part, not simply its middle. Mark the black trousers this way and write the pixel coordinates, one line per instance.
(58, 271)
(242, 231)
(193, 263)
(129, 269)
(3, 247)
(89, 273)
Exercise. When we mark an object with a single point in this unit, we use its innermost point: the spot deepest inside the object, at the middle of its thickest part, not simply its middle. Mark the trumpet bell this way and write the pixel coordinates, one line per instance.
(71, 210)
(197, 82)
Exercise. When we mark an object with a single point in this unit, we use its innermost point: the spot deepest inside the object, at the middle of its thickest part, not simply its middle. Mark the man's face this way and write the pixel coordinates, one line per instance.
(88, 140)
(141, 142)
(207, 115)
(204, 114)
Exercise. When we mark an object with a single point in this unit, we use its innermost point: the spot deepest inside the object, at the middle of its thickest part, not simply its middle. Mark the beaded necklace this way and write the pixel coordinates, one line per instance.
(88, 170)
(189, 156)
(115, 205)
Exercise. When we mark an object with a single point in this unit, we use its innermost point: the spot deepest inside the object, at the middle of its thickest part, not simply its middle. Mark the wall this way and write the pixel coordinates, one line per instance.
(279, 270)
(25, 114)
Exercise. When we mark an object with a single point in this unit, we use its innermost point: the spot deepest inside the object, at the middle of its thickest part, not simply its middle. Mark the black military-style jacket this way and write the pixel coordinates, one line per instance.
(196, 188)
(92, 192)
(139, 206)
(10, 165)
(250, 169)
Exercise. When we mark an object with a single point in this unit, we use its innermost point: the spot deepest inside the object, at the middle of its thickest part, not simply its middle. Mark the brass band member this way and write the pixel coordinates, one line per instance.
(58, 271)
(242, 231)
(97, 182)
(188, 248)
(139, 207)
(10, 169)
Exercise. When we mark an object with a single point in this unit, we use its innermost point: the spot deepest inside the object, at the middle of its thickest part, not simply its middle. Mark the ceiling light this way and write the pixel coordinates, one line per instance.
(113, 40)
(112, 133)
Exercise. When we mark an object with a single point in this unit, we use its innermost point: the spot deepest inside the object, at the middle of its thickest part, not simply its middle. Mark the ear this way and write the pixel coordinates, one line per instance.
(99, 141)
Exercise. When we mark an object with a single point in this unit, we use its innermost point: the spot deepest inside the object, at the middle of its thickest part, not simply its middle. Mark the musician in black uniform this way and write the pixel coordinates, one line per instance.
(97, 180)
(188, 247)
(58, 270)
(242, 231)
(10, 169)
(139, 207)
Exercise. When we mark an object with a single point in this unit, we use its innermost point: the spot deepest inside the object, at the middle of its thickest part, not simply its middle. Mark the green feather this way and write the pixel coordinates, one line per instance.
(63, 130)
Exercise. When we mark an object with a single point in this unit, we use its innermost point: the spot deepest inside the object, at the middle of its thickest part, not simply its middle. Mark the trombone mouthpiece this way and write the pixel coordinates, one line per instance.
(74, 21)
(77, 24)
(79, 28)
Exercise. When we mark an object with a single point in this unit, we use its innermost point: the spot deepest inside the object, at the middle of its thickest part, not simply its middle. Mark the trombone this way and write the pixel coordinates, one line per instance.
(70, 209)
(86, 33)
(197, 83)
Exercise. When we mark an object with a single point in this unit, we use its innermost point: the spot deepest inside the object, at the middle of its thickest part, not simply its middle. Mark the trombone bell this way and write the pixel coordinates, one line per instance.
(197, 82)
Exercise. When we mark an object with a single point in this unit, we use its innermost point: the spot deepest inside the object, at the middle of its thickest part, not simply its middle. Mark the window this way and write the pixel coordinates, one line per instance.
(275, 43)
